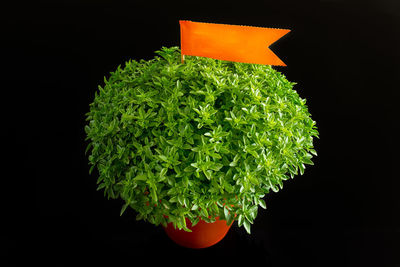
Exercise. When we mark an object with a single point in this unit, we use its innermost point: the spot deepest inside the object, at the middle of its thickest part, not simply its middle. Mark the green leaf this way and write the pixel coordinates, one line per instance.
(226, 212)
(195, 221)
(216, 166)
(189, 169)
(208, 174)
(91, 169)
(240, 220)
(204, 212)
(140, 177)
(163, 171)
(123, 208)
(253, 211)
(262, 203)
(181, 200)
(301, 168)
(101, 186)
(186, 202)
(235, 161)
(162, 157)
(308, 161)
(253, 179)
(246, 225)
(139, 217)
(88, 147)
(312, 151)
(187, 146)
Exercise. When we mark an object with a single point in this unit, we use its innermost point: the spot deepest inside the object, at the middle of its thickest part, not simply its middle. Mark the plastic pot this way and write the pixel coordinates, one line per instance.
(203, 234)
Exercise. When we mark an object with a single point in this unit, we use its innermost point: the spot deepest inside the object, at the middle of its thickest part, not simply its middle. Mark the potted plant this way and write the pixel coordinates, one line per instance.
(194, 146)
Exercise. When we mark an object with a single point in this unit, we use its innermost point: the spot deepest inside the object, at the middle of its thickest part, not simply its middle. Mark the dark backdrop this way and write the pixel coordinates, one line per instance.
(344, 55)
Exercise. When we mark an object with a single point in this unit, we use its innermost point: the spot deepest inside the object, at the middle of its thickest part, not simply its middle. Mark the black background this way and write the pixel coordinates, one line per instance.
(344, 55)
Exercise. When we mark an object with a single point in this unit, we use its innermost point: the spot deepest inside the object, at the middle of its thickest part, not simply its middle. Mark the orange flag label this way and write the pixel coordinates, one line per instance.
(245, 44)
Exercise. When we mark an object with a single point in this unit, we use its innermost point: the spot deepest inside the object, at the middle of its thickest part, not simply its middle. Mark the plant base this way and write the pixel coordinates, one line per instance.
(203, 234)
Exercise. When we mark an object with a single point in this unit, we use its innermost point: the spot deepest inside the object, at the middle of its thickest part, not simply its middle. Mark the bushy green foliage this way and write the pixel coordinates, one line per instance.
(202, 139)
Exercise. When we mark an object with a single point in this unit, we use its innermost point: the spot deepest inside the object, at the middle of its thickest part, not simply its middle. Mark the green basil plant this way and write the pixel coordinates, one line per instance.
(201, 139)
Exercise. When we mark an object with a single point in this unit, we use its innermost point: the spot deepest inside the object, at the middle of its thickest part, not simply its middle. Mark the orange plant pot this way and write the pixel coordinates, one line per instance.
(203, 234)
